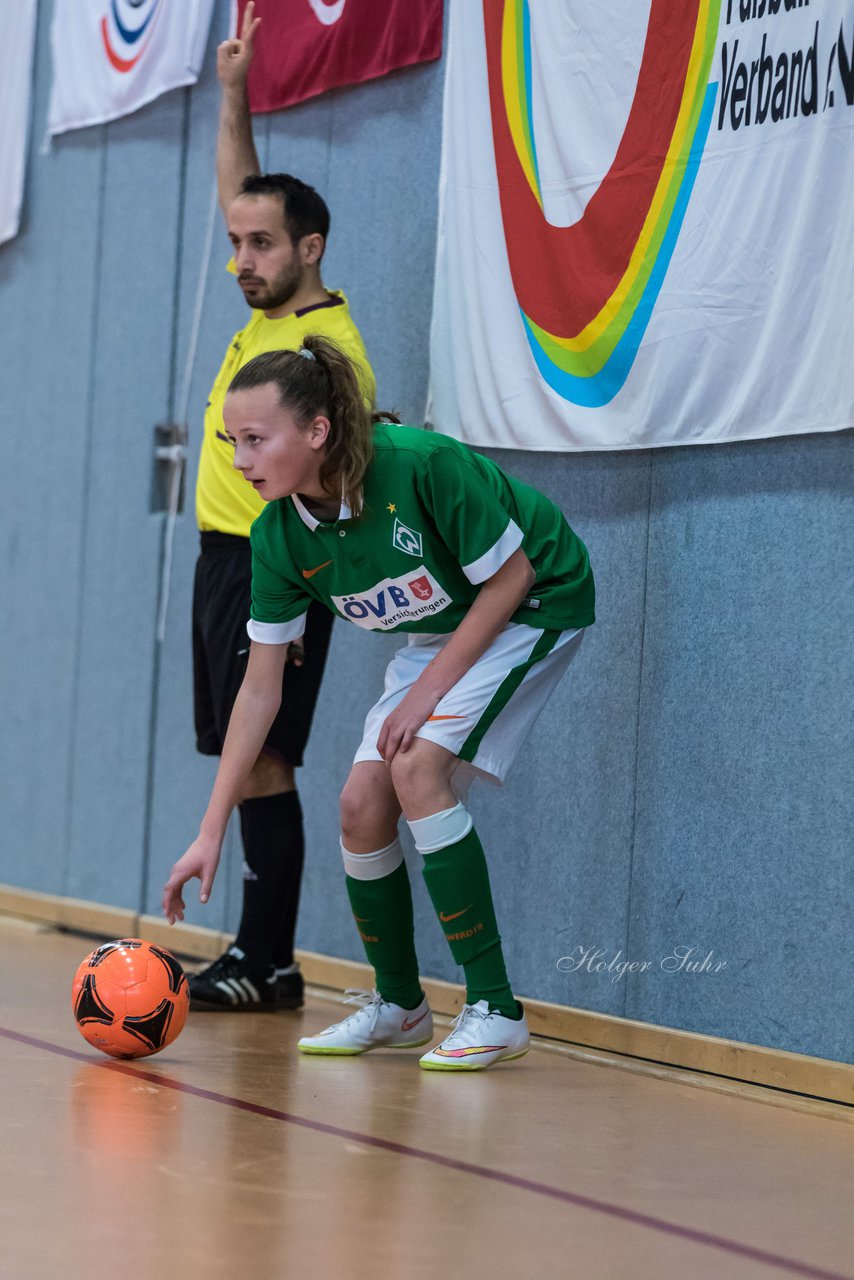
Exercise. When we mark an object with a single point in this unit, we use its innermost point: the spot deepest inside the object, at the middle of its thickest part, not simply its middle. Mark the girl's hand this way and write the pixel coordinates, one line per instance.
(201, 860)
(234, 56)
(399, 730)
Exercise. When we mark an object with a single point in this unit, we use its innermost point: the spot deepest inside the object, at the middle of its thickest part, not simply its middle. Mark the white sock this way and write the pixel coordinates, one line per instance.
(438, 830)
(373, 866)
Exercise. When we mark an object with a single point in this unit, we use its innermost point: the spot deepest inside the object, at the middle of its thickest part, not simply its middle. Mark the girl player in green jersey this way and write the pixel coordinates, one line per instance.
(399, 530)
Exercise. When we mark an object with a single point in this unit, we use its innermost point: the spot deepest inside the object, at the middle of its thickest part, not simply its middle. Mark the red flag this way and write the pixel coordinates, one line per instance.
(305, 47)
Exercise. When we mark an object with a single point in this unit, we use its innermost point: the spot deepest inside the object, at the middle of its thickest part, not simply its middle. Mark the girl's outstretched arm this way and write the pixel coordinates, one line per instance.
(497, 600)
(254, 712)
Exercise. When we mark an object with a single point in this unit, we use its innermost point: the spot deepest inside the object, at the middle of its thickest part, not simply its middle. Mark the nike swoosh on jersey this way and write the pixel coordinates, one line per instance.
(455, 915)
(309, 573)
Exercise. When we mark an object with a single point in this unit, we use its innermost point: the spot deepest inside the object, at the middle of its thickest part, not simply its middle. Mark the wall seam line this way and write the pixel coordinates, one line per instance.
(641, 657)
(82, 554)
(157, 652)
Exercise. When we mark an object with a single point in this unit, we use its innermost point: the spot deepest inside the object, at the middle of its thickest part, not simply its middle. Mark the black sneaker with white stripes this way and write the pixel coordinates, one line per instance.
(233, 983)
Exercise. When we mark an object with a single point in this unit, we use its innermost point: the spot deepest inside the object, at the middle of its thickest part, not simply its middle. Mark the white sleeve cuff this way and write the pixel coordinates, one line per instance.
(276, 632)
(492, 560)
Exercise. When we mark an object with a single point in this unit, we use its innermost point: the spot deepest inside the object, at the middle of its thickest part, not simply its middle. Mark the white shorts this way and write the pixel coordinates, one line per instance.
(489, 712)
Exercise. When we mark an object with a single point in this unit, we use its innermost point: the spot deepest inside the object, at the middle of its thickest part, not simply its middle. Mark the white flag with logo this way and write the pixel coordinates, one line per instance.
(111, 57)
(645, 229)
(17, 38)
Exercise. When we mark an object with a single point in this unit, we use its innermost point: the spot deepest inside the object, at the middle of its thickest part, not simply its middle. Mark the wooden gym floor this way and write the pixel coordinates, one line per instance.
(230, 1155)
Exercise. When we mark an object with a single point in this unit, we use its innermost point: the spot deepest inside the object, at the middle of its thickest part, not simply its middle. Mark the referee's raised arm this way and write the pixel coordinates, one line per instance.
(236, 157)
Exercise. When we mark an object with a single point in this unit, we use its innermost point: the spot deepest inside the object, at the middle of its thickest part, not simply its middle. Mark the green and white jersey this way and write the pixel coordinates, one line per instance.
(438, 521)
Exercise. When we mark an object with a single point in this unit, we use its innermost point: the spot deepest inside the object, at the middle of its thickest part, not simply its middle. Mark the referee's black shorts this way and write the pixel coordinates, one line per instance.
(221, 601)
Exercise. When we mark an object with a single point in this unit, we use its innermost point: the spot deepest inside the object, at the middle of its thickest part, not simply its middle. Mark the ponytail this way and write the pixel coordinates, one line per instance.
(319, 379)
(350, 445)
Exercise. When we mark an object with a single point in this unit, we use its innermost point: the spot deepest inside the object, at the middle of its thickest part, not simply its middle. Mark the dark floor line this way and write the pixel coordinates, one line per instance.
(446, 1162)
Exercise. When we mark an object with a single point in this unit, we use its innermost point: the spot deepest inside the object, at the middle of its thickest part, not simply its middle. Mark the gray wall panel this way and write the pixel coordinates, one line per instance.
(744, 759)
(47, 280)
(119, 574)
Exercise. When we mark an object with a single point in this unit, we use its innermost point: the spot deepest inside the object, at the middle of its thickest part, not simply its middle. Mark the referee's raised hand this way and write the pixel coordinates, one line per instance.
(234, 56)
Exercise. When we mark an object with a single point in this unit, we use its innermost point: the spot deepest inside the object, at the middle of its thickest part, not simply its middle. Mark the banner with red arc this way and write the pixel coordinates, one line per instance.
(613, 289)
(587, 291)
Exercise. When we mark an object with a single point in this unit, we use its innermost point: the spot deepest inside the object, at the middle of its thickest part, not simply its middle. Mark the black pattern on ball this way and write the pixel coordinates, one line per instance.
(89, 1007)
(152, 1028)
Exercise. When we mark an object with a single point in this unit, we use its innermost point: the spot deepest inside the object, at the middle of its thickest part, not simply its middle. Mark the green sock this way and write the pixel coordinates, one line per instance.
(458, 883)
(382, 910)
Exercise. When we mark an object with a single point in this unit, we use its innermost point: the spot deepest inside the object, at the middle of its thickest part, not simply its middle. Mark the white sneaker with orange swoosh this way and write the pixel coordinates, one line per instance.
(479, 1038)
(378, 1024)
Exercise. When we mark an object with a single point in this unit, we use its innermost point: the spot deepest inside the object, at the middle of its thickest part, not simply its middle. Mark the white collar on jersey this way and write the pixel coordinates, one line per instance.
(308, 519)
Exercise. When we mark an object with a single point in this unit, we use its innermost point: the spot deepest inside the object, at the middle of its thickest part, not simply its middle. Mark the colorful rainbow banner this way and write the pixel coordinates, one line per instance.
(629, 252)
(585, 326)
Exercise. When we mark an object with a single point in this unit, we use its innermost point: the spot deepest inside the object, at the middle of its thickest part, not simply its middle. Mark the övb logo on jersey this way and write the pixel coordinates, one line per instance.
(406, 539)
(126, 31)
(393, 601)
(585, 313)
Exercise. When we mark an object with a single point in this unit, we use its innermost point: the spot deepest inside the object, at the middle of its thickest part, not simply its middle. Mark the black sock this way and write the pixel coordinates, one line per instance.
(274, 852)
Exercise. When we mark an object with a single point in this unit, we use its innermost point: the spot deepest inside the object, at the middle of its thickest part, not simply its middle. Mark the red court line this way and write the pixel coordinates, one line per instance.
(446, 1162)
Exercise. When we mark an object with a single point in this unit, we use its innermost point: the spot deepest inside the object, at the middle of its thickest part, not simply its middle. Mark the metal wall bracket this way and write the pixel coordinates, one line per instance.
(170, 453)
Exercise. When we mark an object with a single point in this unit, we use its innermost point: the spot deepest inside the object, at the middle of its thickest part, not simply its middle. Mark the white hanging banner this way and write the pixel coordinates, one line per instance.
(111, 57)
(17, 41)
(646, 223)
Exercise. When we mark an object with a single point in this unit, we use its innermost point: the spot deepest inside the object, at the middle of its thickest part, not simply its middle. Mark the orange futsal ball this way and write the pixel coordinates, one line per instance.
(130, 998)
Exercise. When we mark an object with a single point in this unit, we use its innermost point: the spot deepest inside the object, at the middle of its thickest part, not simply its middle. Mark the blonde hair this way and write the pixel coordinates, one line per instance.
(320, 379)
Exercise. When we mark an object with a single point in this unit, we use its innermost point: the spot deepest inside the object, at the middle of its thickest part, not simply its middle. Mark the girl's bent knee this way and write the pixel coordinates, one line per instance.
(349, 810)
(369, 813)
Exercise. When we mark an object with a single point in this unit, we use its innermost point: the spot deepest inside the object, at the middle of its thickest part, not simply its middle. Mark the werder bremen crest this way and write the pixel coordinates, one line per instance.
(406, 539)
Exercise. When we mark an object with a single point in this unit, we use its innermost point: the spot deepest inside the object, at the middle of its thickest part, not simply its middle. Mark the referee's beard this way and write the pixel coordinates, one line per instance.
(262, 296)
